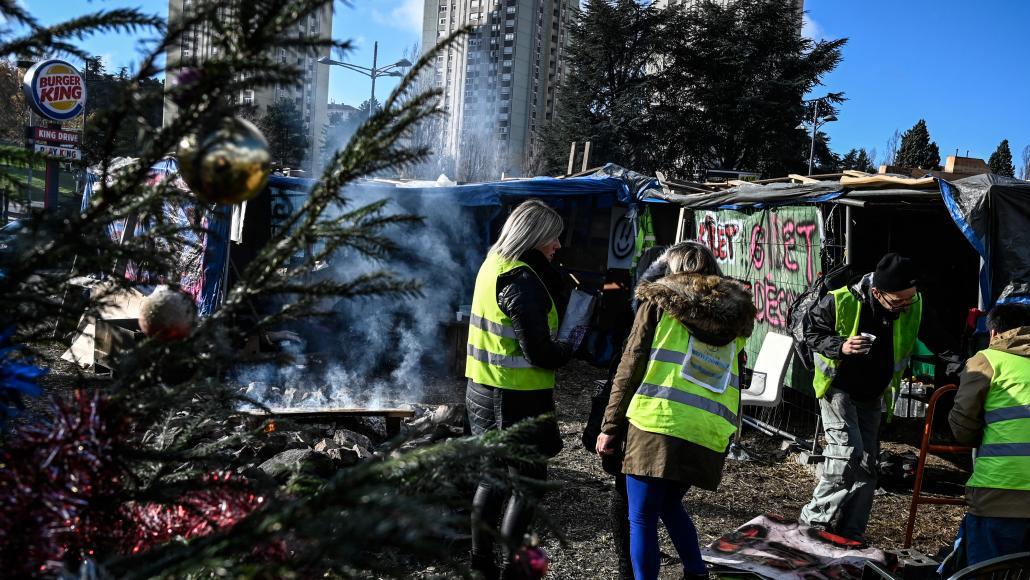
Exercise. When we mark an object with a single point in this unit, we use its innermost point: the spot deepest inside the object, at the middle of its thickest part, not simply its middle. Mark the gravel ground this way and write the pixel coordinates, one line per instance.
(771, 482)
(766, 484)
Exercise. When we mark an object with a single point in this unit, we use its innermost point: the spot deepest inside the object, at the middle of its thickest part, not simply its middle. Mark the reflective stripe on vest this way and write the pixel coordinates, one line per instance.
(670, 404)
(1003, 459)
(493, 354)
(905, 332)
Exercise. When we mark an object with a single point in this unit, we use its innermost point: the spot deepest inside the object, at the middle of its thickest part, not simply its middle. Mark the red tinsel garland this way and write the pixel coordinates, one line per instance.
(62, 499)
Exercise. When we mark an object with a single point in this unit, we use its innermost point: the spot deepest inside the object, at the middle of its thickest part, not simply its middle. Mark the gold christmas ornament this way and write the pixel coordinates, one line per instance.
(230, 164)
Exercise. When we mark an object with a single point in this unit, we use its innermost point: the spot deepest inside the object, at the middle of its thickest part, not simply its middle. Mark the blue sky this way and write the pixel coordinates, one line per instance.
(963, 66)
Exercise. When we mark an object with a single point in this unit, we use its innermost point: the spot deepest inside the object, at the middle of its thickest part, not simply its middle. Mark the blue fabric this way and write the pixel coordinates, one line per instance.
(651, 498)
(491, 193)
(990, 537)
(948, 195)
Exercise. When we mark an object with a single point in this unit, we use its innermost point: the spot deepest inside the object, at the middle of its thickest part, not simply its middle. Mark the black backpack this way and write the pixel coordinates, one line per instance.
(798, 321)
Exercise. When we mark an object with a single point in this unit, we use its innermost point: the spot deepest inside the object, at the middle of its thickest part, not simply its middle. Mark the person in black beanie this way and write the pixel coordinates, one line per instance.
(862, 337)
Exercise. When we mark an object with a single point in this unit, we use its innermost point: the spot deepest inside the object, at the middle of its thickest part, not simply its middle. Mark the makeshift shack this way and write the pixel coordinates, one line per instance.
(599, 244)
(779, 236)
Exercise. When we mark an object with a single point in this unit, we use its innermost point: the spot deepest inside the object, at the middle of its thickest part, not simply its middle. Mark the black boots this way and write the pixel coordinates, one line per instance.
(485, 565)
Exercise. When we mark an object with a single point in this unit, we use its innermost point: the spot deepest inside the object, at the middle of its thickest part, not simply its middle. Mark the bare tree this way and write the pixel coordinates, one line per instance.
(1024, 167)
(478, 158)
(892, 148)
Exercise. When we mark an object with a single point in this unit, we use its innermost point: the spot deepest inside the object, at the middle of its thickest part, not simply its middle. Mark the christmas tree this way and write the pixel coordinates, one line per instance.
(142, 475)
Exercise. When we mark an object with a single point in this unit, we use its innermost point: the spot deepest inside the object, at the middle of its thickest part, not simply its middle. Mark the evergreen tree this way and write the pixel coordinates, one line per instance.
(103, 89)
(680, 90)
(14, 115)
(917, 150)
(102, 486)
(859, 160)
(283, 126)
(1001, 160)
(605, 94)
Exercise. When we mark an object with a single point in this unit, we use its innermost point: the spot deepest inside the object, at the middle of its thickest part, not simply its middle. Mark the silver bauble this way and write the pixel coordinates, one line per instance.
(230, 164)
(167, 314)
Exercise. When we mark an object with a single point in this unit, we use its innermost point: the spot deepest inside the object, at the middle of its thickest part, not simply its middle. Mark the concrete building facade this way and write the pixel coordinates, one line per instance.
(501, 82)
(310, 94)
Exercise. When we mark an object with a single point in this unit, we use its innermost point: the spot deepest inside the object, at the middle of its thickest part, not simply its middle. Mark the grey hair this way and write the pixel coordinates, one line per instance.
(531, 224)
(691, 258)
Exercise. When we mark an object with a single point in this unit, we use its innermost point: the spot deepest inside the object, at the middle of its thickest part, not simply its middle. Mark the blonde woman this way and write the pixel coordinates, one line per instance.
(510, 365)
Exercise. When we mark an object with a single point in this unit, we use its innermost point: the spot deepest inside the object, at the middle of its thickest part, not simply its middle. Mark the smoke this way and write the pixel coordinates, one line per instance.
(383, 350)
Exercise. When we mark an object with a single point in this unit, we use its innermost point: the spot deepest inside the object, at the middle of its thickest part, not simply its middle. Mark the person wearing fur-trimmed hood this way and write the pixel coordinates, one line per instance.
(675, 399)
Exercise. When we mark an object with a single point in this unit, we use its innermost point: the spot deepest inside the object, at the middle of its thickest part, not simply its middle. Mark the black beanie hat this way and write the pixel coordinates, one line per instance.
(894, 272)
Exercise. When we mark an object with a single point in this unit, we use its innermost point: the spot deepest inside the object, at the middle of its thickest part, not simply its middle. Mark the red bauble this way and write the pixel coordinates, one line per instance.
(167, 314)
(532, 562)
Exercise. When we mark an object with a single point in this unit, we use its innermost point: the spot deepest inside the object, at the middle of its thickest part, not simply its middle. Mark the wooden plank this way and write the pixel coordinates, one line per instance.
(330, 413)
(855, 173)
(802, 178)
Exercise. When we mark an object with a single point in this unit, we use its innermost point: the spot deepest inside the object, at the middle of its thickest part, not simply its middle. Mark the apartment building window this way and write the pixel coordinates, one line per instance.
(443, 21)
(247, 97)
(510, 10)
(509, 36)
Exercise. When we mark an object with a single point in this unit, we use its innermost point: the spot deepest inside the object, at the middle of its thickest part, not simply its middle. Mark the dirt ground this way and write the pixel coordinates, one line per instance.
(765, 484)
(770, 482)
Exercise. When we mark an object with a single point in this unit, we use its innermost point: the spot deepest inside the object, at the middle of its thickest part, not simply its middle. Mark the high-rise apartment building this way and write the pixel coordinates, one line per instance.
(310, 94)
(500, 83)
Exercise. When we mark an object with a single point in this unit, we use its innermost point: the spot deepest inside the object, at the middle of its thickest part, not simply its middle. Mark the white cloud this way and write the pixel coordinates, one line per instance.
(403, 14)
(811, 29)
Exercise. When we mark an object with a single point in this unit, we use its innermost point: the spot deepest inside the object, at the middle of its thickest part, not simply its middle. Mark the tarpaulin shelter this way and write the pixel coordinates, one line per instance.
(203, 244)
(778, 237)
(593, 205)
(993, 213)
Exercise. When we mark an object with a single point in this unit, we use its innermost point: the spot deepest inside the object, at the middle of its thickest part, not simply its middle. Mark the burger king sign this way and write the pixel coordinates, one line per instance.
(55, 90)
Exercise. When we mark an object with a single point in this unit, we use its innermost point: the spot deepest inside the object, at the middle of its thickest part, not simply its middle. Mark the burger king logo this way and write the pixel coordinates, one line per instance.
(55, 90)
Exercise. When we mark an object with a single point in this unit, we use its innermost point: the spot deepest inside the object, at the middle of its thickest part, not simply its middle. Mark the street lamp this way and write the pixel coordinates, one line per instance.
(372, 73)
(815, 126)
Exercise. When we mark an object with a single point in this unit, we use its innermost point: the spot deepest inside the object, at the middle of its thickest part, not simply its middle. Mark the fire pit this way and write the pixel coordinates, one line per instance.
(393, 416)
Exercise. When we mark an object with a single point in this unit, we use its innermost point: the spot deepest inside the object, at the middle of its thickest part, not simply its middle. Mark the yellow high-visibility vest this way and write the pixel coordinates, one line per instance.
(493, 355)
(906, 331)
(1003, 459)
(691, 389)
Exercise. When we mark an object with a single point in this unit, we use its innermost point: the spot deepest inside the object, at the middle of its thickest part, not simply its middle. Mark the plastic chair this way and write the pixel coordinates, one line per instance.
(771, 367)
(766, 384)
(927, 446)
(1010, 567)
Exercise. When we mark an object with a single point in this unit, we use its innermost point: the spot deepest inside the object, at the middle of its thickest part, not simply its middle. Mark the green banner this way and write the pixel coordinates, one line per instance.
(776, 253)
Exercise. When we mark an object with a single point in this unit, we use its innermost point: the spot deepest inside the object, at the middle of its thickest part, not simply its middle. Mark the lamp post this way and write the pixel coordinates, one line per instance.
(815, 126)
(372, 73)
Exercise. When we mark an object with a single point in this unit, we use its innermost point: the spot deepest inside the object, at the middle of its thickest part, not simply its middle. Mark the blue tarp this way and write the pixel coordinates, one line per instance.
(628, 188)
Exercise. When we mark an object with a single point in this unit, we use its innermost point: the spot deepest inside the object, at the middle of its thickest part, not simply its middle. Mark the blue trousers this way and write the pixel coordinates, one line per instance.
(990, 537)
(651, 498)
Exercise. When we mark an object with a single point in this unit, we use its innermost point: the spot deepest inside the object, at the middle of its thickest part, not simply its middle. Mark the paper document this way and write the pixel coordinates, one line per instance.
(577, 318)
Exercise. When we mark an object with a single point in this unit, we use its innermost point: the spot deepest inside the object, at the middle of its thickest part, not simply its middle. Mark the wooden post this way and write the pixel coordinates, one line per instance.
(586, 156)
(572, 158)
(679, 225)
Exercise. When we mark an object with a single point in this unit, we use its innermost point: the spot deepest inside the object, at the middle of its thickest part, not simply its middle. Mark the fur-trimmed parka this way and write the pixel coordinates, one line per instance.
(715, 310)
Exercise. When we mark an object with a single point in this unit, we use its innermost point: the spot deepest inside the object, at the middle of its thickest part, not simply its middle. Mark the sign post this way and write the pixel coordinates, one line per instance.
(56, 91)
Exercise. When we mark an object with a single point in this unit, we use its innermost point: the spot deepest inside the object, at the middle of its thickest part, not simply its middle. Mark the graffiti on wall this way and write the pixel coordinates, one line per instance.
(776, 253)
